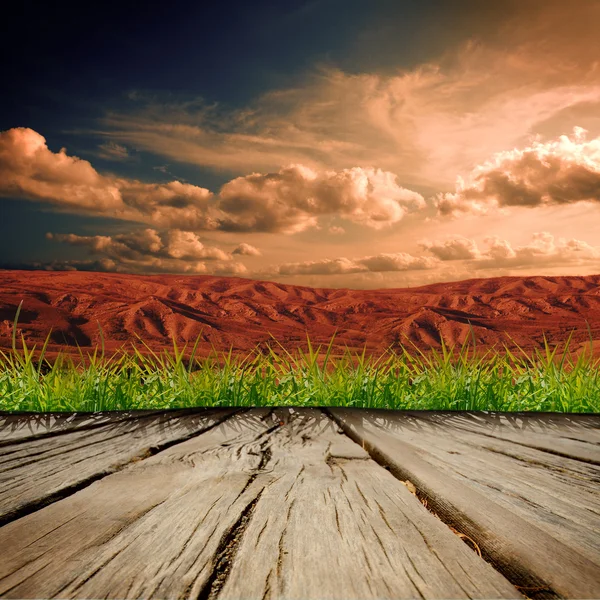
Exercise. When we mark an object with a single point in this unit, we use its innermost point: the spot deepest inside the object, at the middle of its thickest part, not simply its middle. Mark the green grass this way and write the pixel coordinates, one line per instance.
(406, 380)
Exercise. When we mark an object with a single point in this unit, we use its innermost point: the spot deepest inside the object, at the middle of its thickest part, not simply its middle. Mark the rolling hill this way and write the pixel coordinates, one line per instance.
(242, 314)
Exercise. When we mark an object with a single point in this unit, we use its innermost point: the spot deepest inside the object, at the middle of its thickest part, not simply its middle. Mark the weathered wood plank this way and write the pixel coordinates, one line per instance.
(557, 494)
(34, 472)
(575, 436)
(24, 425)
(249, 509)
(468, 480)
(331, 523)
(160, 520)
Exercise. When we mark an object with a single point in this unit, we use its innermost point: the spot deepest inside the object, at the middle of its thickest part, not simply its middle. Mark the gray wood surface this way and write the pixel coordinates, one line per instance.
(575, 436)
(23, 425)
(263, 505)
(534, 513)
(36, 471)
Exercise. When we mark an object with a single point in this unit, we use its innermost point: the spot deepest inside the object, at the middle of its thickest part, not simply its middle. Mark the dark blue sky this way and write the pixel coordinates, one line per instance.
(68, 64)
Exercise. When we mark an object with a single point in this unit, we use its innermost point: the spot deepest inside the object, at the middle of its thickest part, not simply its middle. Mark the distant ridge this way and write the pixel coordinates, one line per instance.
(240, 313)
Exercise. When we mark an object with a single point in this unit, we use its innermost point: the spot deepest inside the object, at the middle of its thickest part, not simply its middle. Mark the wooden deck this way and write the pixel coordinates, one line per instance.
(299, 504)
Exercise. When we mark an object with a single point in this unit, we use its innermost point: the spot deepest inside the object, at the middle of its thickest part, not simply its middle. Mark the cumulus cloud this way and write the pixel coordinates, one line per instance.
(148, 251)
(457, 248)
(342, 266)
(557, 172)
(288, 201)
(29, 169)
(292, 199)
(544, 249)
(335, 230)
(246, 250)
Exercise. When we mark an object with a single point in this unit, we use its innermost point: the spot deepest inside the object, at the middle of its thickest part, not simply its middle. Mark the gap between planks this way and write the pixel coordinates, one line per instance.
(28, 485)
(238, 513)
(506, 542)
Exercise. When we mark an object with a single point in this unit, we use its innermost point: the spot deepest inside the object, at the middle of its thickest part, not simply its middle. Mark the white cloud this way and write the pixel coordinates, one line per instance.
(557, 172)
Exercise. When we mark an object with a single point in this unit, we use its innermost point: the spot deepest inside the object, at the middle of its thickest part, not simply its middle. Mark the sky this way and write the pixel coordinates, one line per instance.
(328, 143)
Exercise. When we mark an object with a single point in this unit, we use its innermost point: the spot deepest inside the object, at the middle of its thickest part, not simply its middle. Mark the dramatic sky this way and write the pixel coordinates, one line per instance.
(330, 143)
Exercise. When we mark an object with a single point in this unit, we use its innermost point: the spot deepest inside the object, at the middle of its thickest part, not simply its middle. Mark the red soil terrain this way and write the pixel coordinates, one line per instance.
(229, 312)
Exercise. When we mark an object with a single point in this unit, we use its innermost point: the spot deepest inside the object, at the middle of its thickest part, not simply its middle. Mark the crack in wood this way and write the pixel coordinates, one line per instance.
(35, 505)
(414, 584)
(337, 520)
(226, 552)
(382, 513)
(362, 495)
(265, 456)
(261, 532)
(519, 577)
(5, 591)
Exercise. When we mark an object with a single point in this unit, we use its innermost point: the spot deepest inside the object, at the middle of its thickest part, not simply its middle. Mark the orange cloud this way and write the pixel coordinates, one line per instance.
(543, 250)
(147, 251)
(557, 172)
(341, 266)
(247, 250)
(292, 199)
(113, 151)
(457, 248)
(288, 201)
(536, 71)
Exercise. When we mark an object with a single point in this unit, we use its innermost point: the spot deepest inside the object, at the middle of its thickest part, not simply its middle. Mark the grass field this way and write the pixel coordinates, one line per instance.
(449, 379)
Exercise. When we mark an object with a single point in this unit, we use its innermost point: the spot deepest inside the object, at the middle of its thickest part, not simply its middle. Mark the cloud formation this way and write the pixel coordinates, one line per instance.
(557, 172)
(247, 250)
(544, 249)
(535, 69)
(113, 151)
(148, 251)
(456, 248)
(378, 263)
(288, 201)
(292, 199)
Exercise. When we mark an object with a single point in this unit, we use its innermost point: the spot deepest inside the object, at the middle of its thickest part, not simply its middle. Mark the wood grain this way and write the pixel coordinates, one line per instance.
(35, 472)
(533, 513)
(31, 425)
(155, 526)
(573, 436)
(265, 505)
(331, 523)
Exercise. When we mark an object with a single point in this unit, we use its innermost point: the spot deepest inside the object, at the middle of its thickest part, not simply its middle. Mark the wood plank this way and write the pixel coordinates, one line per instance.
(559, 495)
(26, 425)
(575, 436)
(171, 510)
(35, 472)
(331, 523)
(250, 509)
(469, 484)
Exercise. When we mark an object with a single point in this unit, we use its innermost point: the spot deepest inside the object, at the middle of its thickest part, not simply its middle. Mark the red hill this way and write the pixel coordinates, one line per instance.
(240, 313)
